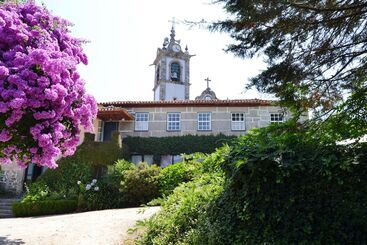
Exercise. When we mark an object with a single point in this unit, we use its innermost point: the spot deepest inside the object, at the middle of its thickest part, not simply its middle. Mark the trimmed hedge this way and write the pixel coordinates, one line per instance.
(98, 153)
(44, 208)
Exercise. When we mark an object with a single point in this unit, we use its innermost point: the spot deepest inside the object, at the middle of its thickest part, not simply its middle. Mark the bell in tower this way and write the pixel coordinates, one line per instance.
(172, 71)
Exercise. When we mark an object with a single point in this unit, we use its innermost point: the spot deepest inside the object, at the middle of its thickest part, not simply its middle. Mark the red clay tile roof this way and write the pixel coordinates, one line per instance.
(183, 103)
(113, 113)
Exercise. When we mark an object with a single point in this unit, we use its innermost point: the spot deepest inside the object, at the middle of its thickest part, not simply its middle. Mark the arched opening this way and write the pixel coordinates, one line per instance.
(175, 71)
(157, 73)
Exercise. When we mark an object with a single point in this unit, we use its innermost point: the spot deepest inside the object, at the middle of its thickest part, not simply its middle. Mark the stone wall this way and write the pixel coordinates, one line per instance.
(255, 117)
(11, 178)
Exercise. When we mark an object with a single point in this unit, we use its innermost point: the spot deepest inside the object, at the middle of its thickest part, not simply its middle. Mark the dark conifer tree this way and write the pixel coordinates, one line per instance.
(315, 50)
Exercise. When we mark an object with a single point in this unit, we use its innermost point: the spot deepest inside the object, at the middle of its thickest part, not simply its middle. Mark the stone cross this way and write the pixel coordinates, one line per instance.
(207, 82)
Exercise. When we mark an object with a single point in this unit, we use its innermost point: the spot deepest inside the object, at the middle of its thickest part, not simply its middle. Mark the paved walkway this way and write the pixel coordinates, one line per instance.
(97, 227)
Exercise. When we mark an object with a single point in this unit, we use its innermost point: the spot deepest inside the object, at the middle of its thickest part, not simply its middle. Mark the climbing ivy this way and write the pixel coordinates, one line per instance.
(175, 145)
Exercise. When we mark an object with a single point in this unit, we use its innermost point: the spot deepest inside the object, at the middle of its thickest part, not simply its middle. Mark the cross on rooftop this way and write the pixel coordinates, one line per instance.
(207, 82)
(174, 22)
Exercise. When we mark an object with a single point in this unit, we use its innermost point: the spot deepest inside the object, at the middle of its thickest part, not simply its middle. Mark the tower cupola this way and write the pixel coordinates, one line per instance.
(172, 70)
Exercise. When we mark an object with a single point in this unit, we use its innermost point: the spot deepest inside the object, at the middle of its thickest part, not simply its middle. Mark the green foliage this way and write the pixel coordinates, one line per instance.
(140, 184)
(175, 145)
(65, 177)
(182, 210)
(193, 165)
(175, 174)
(109, 195)
(315, 50)
(62, 181)
(285, 186)
(44, 207)
(98, 153)
(180, 213)
(120, 167)
(41, 192)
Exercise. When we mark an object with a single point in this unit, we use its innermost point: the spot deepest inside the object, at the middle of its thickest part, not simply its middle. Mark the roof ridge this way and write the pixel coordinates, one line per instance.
(187, 101)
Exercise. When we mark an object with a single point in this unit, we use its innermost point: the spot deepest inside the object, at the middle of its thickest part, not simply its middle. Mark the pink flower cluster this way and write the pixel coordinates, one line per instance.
(43, 102)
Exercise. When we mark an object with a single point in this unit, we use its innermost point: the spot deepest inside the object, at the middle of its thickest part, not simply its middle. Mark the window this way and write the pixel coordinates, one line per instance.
(142, 158)
(173, 121)
(207, 97)
(177, 158)
(238, 121)
(136, 159)
(276, 117)
(157, 73)
(204, 121)
(175, 71)
(148, 159)
(100, 131)
(141, 121)
(167, 160)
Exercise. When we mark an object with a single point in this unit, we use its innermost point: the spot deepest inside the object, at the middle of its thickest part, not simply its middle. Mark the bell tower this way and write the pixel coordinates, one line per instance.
(172, 71)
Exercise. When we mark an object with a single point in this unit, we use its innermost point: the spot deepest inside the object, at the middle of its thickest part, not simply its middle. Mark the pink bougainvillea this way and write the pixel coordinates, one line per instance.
(43, 102)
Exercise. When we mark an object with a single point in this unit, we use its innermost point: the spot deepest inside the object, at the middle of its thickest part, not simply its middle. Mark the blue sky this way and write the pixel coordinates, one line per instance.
(125, 34)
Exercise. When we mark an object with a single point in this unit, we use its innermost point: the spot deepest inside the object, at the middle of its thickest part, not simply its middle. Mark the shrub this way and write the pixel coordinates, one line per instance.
(44, 207)
(61, 183)
(109, 195)
(140, 184)
(180, 213)
(286, 186)
(41, 192)
(175, 174)
(120, 167)
(64, 179)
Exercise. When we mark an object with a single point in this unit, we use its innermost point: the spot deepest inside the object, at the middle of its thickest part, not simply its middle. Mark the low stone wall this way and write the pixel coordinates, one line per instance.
(11, 178)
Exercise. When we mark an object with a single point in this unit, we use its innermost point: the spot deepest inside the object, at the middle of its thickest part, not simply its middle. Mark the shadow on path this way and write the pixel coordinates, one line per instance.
(6, 241)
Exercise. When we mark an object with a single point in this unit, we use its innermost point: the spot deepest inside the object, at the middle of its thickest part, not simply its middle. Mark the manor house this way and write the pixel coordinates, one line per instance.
(173, 113)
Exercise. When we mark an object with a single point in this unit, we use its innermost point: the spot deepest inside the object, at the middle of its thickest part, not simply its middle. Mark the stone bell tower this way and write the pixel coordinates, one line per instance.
(172, 71)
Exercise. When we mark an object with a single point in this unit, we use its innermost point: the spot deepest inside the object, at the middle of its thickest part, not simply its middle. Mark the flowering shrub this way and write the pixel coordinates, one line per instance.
(86, 193)
(90, 186)
(42, 97)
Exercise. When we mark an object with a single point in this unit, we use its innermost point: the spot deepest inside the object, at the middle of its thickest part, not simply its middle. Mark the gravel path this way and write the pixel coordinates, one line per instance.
(97, 227)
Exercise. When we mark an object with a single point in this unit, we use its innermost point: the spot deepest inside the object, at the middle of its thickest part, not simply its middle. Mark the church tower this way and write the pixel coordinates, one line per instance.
(172, 71)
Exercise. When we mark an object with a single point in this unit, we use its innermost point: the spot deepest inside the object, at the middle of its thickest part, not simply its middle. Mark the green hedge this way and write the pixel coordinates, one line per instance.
(174, 145)
(287, 186)
(98, 153)
(44, 208)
